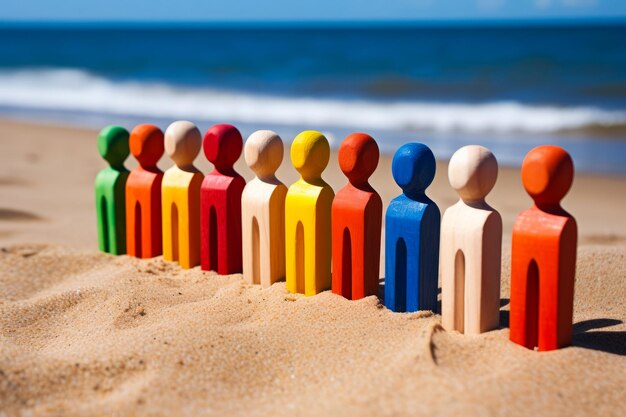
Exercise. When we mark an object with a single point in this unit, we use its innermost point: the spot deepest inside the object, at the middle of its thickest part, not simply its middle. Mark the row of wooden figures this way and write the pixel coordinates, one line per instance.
(270, 232)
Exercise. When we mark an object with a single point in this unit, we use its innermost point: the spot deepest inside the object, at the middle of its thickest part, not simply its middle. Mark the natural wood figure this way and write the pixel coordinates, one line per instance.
(143, 193)
(543, 254)
(181, 195)
(220, 202)
(412, 233)
(356, 221)
(110, 187)
(263, 211)
(307, 217)
(471, 246)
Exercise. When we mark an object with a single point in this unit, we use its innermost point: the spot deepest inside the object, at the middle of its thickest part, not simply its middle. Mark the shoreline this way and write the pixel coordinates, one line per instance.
(509, 146)
(47, 173)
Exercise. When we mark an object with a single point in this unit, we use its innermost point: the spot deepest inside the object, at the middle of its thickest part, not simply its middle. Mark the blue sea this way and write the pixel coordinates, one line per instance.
(509, 88)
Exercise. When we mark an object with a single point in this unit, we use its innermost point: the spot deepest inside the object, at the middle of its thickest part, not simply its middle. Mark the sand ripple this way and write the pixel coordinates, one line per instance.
(83, 333)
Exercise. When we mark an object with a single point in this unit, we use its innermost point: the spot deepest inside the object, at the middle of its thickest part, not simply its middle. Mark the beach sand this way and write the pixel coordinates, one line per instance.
(85, 333)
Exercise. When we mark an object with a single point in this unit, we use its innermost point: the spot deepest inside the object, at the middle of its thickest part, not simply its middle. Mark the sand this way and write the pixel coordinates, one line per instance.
(85, 333)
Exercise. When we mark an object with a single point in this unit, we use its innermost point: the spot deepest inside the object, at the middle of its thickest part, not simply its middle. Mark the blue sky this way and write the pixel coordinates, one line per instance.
(314, 10)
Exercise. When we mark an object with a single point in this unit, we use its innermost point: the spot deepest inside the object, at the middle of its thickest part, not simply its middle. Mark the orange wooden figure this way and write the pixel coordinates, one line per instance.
(543, 255)
(143, 193)
(356, 221)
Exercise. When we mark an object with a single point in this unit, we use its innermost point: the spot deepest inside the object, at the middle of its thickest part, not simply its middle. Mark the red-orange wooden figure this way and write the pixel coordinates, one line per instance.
(356, 221)
(143, 193)
(543, 254)
(220, 202)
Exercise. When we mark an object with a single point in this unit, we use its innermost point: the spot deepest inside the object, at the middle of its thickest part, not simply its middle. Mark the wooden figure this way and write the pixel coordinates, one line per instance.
(110, 188)
(356, 221)
(181, 195)
(543, 254)
(143, 193)
(307, 217)
(220, 202)
(471, 245)
(412, 233)
(263, 211)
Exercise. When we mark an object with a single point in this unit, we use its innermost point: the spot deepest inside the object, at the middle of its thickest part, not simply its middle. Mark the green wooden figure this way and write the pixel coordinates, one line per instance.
(110, 188)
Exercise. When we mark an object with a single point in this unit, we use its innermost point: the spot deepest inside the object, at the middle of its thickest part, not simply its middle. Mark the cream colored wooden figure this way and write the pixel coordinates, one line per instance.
(471, 245)
(263, 211)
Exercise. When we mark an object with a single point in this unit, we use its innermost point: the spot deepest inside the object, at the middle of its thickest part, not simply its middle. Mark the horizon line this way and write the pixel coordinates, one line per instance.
(312, 24)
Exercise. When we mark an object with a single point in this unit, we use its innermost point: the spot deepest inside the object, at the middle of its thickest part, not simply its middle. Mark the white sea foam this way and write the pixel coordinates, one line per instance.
(77, 90)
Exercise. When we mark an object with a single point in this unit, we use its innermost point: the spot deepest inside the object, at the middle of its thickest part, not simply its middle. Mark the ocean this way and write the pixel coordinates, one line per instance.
(509, 88)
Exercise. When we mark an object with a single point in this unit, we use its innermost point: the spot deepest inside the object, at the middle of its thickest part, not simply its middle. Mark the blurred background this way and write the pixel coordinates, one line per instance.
(505, 74)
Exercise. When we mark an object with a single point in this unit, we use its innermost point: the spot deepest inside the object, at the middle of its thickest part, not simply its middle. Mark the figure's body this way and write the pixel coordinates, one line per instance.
(543, 254)
(356, 221)
(471, 244)
(412, 233)
(181, 195)
(307, 217)
(263, 211)
(143, 194)
(110, 187)
(220, 202)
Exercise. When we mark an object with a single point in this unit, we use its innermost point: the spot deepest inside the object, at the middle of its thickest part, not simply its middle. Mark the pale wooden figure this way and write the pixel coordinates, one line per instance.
(471, 245)
(263, 211)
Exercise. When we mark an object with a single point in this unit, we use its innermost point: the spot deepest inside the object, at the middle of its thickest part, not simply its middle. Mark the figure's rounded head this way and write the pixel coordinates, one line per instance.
(547, 174)
(223, 145)
(310, 152)
(182, 142)
(472, 172)
(413, 167)
(264, 152)
(146, 144)
(358, 157)
(113, 145)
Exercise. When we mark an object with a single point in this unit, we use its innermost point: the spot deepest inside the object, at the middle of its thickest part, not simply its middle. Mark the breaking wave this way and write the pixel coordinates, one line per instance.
(77, 90)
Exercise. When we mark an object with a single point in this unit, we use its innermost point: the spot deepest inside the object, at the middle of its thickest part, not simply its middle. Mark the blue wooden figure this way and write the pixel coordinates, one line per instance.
(412, 233)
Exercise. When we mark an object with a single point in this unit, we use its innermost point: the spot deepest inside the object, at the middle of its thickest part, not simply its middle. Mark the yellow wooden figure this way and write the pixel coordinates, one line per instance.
(180, 192)
(307, 217)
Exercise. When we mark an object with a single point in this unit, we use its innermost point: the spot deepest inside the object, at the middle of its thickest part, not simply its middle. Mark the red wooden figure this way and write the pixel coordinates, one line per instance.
(543, 255)
(356, 221)
(143, 193)
(220, 202)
